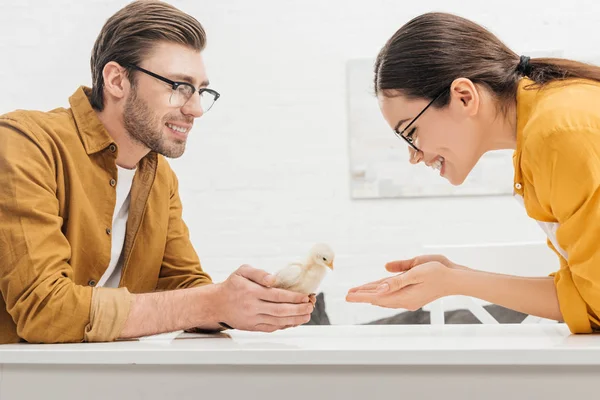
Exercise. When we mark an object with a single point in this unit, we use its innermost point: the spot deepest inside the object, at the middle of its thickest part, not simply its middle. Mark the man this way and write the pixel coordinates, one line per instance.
(92, 242)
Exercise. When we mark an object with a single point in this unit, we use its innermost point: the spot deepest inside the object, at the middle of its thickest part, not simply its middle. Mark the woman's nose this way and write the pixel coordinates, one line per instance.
(415, 156)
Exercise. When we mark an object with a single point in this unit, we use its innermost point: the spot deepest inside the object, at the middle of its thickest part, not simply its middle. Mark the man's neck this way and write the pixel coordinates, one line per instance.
(130, 150)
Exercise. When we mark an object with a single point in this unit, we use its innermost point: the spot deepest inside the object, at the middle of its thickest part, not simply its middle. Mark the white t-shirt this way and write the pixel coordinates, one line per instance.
(549, 229)
(112, 275)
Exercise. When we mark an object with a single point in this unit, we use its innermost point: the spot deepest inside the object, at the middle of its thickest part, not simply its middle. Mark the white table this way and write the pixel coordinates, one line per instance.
(316, 362)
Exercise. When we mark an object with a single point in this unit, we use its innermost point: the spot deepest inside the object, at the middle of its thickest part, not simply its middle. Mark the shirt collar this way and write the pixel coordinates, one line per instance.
(525, 101)
(91, 130)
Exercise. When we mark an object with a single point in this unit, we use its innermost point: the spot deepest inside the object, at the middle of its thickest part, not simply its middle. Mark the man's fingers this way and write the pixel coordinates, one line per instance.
(285, 310)
(276, 295)
(258, 276)
(266, 328)
(283, 321)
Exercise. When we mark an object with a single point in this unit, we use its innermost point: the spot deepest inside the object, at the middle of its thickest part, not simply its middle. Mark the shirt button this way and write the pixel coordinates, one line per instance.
(518, 186)
(113, 182)
(112, 148)
(92, 282)
(108, 231)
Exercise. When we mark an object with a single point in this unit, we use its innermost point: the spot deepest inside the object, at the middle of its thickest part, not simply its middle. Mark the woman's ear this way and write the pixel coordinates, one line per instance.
(464, 97)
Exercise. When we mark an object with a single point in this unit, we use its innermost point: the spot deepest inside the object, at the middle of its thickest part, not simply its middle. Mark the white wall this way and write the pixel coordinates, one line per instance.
(266, 171)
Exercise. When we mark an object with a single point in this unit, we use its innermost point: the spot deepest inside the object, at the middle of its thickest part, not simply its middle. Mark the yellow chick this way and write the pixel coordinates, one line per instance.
(306, 277)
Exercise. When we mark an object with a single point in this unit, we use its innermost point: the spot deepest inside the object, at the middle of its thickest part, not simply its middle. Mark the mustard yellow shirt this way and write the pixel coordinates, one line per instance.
(57, 200)
(557, 171)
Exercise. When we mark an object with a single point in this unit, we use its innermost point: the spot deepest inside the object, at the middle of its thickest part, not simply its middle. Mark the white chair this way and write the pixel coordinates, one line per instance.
(523, 259)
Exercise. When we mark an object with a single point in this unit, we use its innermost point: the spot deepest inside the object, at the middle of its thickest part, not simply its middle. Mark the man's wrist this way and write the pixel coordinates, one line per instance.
(207, 307)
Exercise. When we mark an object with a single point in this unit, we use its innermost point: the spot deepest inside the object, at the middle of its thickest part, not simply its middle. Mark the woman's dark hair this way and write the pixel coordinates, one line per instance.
(432, 50)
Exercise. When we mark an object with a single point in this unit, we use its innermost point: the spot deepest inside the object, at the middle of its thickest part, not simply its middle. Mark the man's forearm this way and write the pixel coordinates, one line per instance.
(533, 296)
(154, 313)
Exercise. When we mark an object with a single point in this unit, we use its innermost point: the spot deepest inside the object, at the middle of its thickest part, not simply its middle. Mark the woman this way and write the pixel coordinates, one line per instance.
(453, 91)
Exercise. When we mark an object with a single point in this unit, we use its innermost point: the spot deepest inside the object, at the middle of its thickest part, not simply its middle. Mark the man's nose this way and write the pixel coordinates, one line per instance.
(193, 107)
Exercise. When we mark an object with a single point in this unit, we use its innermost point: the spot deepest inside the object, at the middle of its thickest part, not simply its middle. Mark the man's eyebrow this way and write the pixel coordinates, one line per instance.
(188, 79)
(400, 123)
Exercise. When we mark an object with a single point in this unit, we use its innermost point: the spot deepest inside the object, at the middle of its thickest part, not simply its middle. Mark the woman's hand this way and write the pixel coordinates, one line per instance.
(405, 265)
(426, 278)
(420, 281)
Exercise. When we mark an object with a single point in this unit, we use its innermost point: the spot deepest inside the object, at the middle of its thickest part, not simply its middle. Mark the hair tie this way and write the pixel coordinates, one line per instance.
(524, 68)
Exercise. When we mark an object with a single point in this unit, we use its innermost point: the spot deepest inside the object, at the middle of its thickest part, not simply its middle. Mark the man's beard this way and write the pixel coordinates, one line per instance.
(143, 127)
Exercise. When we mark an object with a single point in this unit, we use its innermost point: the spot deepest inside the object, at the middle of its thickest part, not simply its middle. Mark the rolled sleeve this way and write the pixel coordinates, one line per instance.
(108, 314)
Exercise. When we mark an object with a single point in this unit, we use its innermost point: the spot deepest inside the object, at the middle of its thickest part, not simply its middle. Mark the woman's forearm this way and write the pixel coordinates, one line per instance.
(533, 296)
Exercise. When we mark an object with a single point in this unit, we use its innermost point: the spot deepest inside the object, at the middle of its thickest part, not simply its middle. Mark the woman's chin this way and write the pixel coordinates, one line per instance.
(455, 179)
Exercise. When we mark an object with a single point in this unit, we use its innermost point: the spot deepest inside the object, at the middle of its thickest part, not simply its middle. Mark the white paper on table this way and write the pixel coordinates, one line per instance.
(162, 336)
(169, 336)
(194, 335)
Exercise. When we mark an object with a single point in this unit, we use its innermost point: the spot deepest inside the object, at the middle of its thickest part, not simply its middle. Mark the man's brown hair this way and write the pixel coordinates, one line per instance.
(130, 34)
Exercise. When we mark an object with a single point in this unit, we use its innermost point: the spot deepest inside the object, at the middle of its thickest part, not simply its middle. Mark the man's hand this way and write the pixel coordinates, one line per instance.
(246, 301)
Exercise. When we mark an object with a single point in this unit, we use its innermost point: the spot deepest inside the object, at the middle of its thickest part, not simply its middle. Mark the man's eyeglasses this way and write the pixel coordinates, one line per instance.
(409, 136)
(183, 91)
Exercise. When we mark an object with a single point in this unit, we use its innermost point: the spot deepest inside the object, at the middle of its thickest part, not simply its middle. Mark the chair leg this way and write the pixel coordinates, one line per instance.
(531, 319)
(437, 312)
(481, 313)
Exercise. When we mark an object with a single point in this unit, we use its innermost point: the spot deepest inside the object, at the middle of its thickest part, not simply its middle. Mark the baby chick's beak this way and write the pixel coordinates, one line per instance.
(330, 265)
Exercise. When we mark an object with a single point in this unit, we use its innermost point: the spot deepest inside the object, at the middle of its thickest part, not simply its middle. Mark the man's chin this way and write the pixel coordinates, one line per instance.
(174, 151)
(173, 154)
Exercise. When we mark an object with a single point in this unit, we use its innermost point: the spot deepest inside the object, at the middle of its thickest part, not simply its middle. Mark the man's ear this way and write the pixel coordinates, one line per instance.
(116, 82)
(464, 96)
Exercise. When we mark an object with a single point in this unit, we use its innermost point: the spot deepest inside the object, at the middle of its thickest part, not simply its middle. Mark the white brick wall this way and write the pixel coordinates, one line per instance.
(266, 172)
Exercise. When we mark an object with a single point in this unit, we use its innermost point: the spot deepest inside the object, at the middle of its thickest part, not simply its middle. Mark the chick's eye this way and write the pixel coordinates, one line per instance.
(324, 259)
